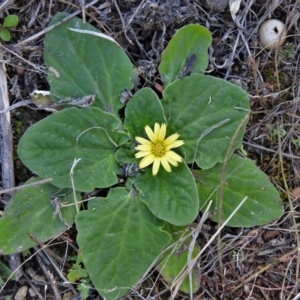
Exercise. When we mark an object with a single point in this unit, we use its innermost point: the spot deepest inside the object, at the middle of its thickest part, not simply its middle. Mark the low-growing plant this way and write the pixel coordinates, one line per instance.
(159, 160)
(8, 22)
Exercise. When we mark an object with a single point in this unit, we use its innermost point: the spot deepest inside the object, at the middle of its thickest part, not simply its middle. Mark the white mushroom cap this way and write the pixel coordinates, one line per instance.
(272, 34)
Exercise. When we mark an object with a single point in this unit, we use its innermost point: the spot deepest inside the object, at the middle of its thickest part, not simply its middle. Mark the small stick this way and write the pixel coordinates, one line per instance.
(5, 4)
(75, 162)
(51, 254)
(83, 11)
(16, 105)
(271, 150)
(23, 59)
(25, 186)
(48, 251)
(35, 36)
(37, 293)
(49, 277)
(6, 153)
(185, 270)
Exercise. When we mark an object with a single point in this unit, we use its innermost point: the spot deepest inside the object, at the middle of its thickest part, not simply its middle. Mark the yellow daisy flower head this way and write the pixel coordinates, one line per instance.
(157, 149)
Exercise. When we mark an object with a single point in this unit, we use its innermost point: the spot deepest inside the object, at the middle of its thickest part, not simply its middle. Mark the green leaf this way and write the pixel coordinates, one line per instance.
(11, 21)
(206, 112)
(83, 64)
(30, 211)
(170, 196)
(189, 41)
(84, 288)
(5, 272)
(144, 108)
(76, 273)
(50, 147)
(242, 178)
(126, 156)
(5, 35)
(176, 258)
(119, 239)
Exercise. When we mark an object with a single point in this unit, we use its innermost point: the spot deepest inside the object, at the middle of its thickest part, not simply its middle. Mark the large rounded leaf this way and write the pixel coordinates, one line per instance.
(38, 210)
(176, 258)
(186, 53)
(206, 112)
(170, 196)
(119, 238)
(52, 146)
(144, 108)
(81, 64)
(242, 178)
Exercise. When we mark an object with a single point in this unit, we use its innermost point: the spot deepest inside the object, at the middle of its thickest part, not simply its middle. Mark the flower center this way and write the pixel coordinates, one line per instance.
(158, 149)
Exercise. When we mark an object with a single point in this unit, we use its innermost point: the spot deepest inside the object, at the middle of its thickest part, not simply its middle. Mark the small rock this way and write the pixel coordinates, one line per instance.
(295, 193)
(32, 292)
(21, 293)
(216, 5)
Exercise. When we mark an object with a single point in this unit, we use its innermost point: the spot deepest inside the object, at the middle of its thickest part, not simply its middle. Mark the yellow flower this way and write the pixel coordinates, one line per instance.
(157, 149)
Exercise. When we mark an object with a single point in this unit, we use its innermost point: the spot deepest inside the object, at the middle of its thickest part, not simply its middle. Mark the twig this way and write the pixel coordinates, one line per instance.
(49, 254)
(83, 11)
(2, 287)
(75, 162)
(6, 154)
(35, 36)
(292, 209)
(45, 248)
(185, 270)
(5, 4)
(7, 191)
(222, 184)
(249, 278)
(48, 276)
(123, 22)
(271, 150)
(16, 105)
(30, 282)
(133, 16)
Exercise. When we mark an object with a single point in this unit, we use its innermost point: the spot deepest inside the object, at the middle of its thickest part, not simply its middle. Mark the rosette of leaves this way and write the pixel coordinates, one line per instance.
(86, 148)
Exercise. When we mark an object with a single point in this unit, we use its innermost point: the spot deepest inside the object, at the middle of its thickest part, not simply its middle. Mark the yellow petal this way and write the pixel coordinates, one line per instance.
(162, 132)
(156, 129)
(175, 144)
(146, 161)
(150, 134)
(156, 165)
(171, 161)
(174, 156)
(171, 139)
(143, 141)
(142, 154)
(143, 147)
(165, 164)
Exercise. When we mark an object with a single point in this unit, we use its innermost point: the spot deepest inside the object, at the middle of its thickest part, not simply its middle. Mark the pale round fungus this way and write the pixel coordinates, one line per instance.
(272, 34)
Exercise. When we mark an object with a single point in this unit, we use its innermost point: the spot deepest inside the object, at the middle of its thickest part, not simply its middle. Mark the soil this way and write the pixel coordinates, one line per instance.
(258, 263)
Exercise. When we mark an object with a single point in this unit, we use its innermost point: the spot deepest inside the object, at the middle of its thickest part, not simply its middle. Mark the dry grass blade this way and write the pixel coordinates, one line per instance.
(7, 191)
(292, 212)
(35, 36)
(184, 272)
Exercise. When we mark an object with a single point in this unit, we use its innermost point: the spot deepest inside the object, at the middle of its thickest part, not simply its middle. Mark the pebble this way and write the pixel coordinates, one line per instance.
(21, 293)
(216, 5)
